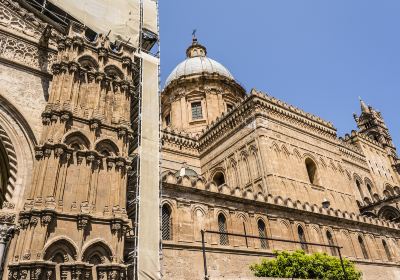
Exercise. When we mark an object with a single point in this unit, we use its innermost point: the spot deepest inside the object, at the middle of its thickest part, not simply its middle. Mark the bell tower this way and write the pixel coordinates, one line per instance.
(74, 220)
(372, 124)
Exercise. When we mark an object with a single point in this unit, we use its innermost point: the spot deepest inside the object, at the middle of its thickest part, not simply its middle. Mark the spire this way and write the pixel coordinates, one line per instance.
(364, 107)
(195, 49)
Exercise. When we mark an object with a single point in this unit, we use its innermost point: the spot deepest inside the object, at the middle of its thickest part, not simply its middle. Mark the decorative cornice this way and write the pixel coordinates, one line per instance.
(288, 204)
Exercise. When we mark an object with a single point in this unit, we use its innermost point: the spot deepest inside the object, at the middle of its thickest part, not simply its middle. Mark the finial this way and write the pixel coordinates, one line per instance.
(364, 107)
(194, 38)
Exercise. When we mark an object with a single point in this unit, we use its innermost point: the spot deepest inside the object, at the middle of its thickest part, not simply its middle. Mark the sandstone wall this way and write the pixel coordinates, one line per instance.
(179, 264)
(27, 92)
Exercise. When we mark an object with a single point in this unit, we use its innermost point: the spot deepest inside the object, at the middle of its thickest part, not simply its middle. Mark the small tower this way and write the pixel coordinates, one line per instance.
(372, 124)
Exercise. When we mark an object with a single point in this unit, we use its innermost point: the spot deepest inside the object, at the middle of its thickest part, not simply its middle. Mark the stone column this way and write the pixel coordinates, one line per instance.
(6, 232)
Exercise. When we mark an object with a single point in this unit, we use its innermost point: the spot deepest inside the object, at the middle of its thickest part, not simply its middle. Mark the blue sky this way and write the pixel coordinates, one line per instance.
(318, 55)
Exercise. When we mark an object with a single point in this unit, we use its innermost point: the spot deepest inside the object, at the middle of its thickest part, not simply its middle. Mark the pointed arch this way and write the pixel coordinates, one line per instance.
(331, 242)
(97, 252)
(285, 150)
(223, 229)
(233, 173)
(302, 238)
(389, 188)
(256, 164)
(389, 213)
(199, 215)
(107, 147)
(275, 147)
(60, 250)
(364, 251)
(18, 139)
(88, 62)
(245, 169)
(114, 72)
(312, 171)
(262, 233)
(166, 216)
(297, 154)
(76, 140)
(387, 250)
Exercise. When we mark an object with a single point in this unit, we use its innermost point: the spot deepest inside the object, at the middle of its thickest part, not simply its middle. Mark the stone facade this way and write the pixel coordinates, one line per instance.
(250, 163)
(231, 162)
(65, 128)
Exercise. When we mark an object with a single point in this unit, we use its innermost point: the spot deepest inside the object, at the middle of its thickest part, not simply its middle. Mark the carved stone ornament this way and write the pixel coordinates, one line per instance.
(25, 53)
(46, 219)
(83, 222)
(120, 163)
(121, 132)
(116, 226)
(6, 232)
(24, 222)
(94, 124)
(47, 152)
(46, 120)
(110, 163)
(35, 273)
(58, 151)
(7, 218)
(49, 273)
(65, 117)
(26, 256)
(38, 154)
(34, 220)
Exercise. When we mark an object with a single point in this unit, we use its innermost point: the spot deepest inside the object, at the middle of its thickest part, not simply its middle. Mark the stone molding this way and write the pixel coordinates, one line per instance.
(287, 203)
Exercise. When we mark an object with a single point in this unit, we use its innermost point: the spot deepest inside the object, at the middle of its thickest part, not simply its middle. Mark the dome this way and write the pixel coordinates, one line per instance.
(197, 63)
(185, 171)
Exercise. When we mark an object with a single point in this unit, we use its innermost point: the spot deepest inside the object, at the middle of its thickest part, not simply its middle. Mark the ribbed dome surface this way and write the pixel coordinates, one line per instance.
(197, 65)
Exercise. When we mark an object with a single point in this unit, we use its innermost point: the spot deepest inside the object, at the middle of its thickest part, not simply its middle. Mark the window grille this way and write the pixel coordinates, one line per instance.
(331, 242)
(166, 223)
(363, 248)
(223, 237)
(197, 112)
(262, 234)
(302, 239)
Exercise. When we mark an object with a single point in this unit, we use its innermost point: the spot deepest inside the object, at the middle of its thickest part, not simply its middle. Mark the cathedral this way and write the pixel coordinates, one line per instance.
(250, 164)
(103, 177)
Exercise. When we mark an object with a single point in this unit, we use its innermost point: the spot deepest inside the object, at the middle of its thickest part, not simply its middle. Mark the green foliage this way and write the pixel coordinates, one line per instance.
(298, 264)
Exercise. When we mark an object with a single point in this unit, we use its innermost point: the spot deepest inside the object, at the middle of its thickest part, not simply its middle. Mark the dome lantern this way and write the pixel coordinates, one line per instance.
(196, 49)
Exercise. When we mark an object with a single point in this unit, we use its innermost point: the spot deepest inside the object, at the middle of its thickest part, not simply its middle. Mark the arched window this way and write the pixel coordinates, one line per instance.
(302, 238)
(389, 213)
(363, 248)
(166, 223)
(311, 170)
(263, 234)
(219, 178)
(223, 237)
(387, 251)
(331, 242)
(77, 141)
(370, 190)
